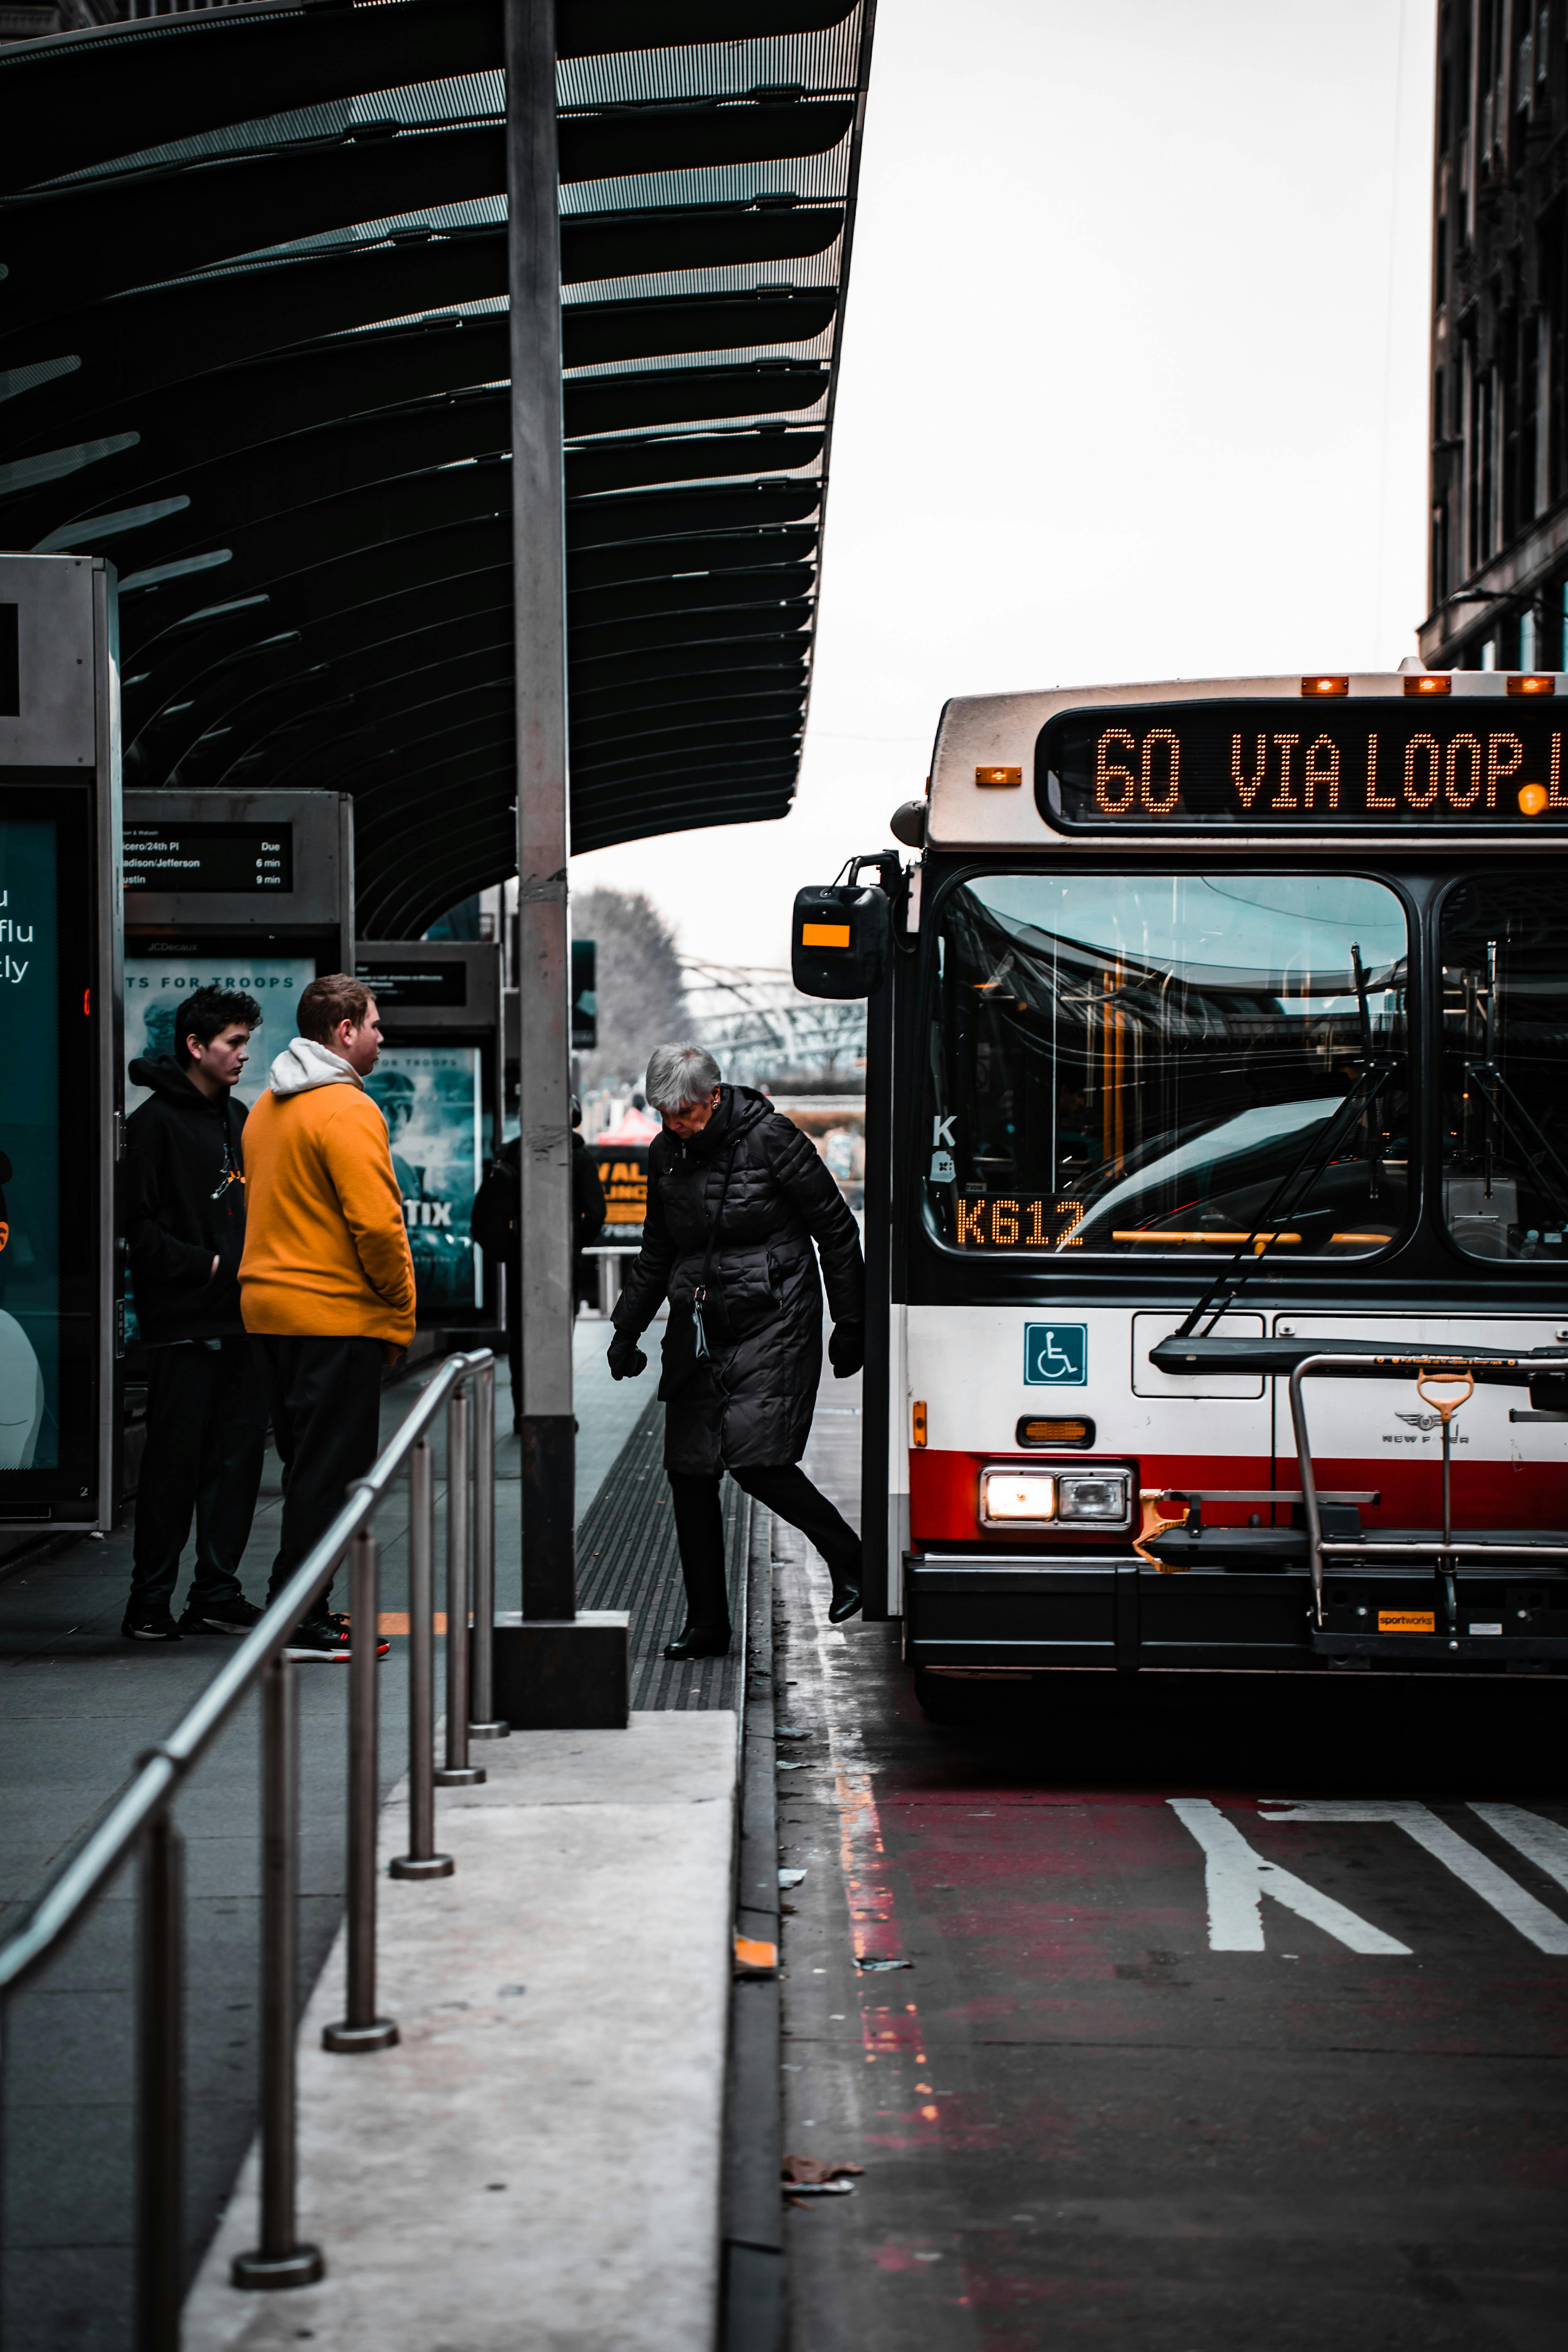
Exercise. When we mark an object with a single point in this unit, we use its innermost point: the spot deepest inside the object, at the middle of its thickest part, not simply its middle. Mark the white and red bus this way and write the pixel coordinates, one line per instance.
(1217, 1028)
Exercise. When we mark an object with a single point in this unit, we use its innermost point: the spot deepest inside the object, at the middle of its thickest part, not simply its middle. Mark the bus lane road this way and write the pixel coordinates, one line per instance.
(1213, 2012)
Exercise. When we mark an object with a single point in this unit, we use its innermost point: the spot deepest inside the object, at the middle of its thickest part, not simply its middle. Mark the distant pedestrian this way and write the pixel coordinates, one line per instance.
(327, 1282)
(736, 1197)
(184, 1232)
(496, 1223)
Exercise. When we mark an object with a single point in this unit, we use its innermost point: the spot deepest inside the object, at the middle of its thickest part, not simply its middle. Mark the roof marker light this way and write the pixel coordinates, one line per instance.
(1532, 799)
(1529, 682)
(999, 776)
(1430, 681)
(1325, 685)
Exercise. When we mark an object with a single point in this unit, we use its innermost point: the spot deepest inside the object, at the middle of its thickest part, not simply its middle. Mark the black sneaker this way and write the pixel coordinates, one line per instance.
(149, 1625)
(236, 1616)
(323, 1637)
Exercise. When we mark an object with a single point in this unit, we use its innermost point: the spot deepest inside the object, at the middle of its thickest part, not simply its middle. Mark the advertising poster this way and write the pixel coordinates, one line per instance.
(431, 1098)
(155, 986)
(30, 1170)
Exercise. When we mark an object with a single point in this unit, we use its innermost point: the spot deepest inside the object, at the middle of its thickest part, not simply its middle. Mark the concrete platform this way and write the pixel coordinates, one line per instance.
(535, 2167)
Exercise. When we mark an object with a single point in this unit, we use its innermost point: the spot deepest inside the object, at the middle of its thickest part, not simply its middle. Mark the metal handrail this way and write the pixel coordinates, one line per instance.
(1415, 1360)
(141, 1815)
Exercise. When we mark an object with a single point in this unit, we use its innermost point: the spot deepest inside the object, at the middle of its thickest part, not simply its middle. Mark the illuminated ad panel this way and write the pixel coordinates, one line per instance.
(433, 1101)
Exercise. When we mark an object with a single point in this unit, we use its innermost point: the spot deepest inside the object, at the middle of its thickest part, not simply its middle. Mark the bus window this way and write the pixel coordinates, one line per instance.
(1130, 1063)
(1504, 945)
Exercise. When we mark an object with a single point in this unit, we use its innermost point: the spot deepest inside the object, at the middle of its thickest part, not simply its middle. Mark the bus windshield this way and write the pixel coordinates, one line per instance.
(1504, 949)
(1132, 1063)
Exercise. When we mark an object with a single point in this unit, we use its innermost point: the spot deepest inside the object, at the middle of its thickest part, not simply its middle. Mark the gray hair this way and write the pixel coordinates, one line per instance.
(677, 1074)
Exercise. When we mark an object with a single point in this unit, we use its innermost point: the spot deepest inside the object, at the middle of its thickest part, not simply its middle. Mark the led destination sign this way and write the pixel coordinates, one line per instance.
(233, 858)
(1283, 767)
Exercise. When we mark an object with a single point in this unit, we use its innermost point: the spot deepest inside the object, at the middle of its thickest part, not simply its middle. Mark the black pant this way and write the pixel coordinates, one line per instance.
(700, 1532)
(206, 1435)
(324, 1396)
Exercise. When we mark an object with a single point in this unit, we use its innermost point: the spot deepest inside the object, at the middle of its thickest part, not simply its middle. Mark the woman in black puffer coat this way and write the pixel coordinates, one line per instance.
(736, 1197)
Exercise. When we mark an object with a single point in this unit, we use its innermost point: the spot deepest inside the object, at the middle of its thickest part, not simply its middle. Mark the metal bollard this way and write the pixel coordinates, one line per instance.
(279, 2260)
(362, 2029)
(481, 1654)
(457, 1772)
(421, 1860)
(160, 2122)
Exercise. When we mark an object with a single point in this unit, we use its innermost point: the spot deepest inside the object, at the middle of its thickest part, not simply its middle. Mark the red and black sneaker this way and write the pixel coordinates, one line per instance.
(326, 1637)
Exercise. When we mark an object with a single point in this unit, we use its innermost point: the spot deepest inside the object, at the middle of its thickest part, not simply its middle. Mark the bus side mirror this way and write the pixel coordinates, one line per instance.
(839, 946)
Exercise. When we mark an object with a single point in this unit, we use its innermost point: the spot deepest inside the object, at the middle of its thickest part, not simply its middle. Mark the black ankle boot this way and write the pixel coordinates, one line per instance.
(846, 1601)
(700, 1642)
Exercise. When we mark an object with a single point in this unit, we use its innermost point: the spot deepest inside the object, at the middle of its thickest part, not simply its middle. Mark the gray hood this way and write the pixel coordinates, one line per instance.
(303, 1064)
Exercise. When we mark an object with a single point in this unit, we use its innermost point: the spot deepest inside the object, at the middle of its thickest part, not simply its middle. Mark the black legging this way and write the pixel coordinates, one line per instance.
(700, 1532)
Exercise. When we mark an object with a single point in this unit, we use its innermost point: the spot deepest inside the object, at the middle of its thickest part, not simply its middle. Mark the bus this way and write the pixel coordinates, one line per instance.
(1217, 1179)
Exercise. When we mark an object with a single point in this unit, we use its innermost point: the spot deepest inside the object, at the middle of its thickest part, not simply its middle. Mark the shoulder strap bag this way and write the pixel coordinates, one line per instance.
(708, 1308)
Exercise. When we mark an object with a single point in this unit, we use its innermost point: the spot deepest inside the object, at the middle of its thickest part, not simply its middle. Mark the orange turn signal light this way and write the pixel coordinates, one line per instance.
(918, 1421)
(1531, 682)
(1325, 685)
(824, 935)
(1430, 681)
(998, 775)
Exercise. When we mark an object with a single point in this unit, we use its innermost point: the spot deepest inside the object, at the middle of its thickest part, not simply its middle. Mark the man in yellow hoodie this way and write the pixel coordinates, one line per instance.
(326, 1282)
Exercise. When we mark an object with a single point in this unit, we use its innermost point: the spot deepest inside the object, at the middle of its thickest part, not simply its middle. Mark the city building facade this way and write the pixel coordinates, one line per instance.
(1499, 546)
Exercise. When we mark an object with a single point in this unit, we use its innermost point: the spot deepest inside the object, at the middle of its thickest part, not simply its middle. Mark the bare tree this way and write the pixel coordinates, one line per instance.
(642, 1002)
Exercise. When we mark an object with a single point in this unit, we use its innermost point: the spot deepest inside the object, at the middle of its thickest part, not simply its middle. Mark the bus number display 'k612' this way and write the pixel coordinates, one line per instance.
(1282, 766)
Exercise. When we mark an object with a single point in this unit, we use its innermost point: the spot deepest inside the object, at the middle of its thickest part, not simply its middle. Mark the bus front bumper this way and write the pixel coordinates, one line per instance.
(1006, 1612)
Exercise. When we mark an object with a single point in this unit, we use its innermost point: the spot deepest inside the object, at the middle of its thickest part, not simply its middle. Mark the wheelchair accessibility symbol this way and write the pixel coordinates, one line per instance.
(1055, 1355)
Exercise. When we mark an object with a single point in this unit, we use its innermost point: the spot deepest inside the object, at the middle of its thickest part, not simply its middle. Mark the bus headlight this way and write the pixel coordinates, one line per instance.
(1102, 1497)
(1019, 1498)
(1029, 1495)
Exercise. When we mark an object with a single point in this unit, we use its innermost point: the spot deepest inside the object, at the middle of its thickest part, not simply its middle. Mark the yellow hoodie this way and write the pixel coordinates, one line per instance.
(326, 1253)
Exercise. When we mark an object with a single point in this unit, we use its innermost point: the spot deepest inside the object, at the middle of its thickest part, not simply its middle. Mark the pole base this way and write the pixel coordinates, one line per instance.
(489, 1731)
(458, 1776)
(420, 1865)
(303, 2267)
(570, 1674)
(381, 2035)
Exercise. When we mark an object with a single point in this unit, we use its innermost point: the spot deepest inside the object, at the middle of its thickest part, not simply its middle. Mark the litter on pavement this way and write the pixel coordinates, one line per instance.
(815, 2176)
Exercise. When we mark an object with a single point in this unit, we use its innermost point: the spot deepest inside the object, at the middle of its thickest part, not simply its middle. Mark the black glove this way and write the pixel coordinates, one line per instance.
(624, 1358)
(847, 1350)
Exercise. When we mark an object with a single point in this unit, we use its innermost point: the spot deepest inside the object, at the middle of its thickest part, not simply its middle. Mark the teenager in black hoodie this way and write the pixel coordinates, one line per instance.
(185, 1231)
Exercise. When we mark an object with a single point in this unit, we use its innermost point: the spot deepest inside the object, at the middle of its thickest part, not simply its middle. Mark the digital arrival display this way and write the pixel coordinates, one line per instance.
(1311, 767)
(232, 858)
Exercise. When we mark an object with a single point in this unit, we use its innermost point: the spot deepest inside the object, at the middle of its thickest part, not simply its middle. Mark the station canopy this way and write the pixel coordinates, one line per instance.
(253, 349)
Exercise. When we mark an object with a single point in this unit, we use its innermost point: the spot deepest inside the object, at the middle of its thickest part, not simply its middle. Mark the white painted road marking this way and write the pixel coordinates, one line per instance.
(1541, 1840)
(1539, 1926)
(1237, 1880)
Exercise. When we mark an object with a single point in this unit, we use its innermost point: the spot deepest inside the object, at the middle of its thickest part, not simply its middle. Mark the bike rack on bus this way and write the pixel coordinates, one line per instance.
(1447, 1369)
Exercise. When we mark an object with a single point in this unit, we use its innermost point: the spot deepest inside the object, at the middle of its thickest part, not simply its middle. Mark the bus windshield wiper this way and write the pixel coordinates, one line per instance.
(1514, 1121)
(1286, 1202)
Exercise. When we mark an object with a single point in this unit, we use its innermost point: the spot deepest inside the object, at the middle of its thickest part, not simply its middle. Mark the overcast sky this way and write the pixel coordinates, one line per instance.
(1133, 386)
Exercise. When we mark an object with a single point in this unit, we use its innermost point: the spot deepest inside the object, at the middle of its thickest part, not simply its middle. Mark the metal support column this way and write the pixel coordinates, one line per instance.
(160, 2105)
(361, 2028)
(457, 1772)
(553, 1668)
(280, 2261)
(421, 1860)
(539, 571)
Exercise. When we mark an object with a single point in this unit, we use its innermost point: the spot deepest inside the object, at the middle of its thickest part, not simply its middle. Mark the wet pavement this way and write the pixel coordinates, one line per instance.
(1225, 2011)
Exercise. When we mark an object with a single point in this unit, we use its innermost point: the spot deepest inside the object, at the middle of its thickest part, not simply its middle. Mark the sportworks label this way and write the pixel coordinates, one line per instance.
(1407, 1621)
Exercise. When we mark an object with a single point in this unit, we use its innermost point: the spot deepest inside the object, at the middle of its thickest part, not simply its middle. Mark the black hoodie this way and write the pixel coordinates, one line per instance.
(185, 1204)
